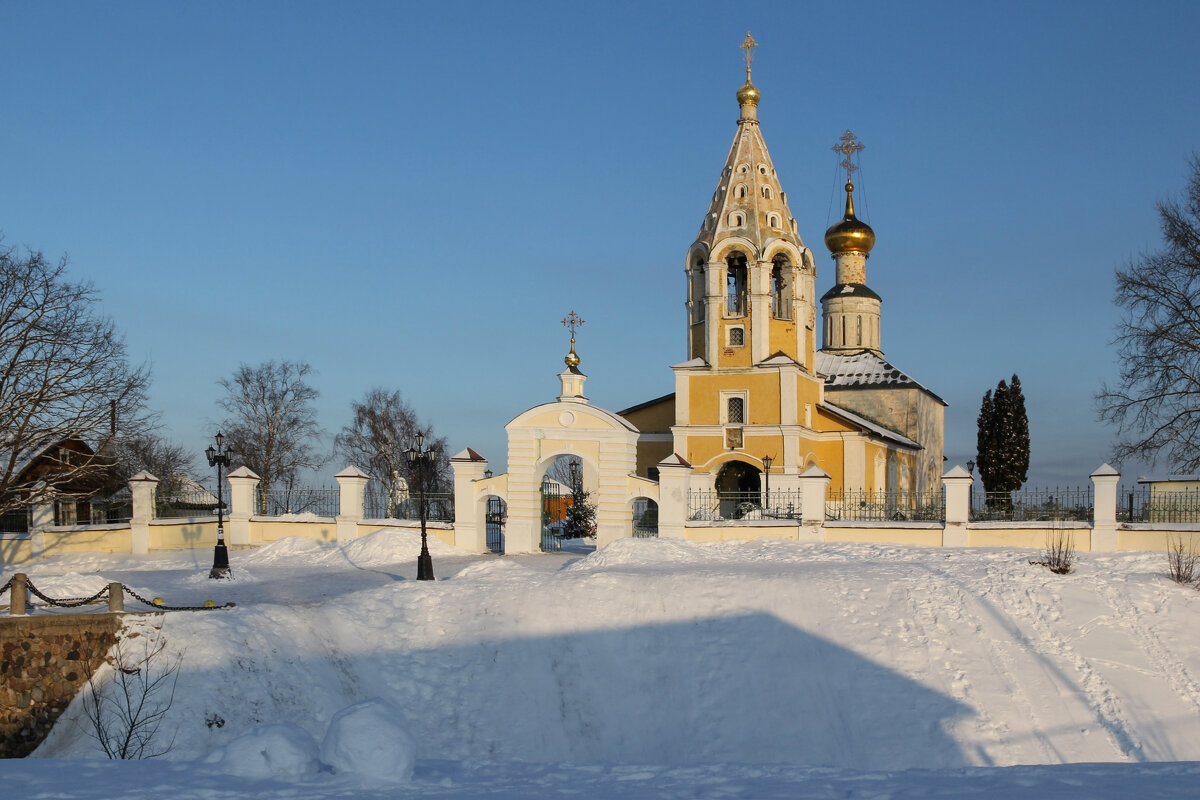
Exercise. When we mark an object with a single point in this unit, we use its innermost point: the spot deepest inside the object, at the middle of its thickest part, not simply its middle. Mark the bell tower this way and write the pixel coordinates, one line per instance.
(750, 279)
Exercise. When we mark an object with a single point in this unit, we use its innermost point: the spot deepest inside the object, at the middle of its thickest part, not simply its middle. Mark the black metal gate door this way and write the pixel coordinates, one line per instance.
(495, 524)
(553, 512)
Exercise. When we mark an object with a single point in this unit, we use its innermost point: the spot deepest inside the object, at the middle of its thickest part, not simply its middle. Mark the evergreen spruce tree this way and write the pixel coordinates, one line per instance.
(580, 520)
(1002, 441)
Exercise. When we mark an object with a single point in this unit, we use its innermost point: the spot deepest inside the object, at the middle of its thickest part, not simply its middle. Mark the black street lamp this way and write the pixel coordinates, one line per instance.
(767, 461)
(421, 459)
(219, 457)
(573, 467)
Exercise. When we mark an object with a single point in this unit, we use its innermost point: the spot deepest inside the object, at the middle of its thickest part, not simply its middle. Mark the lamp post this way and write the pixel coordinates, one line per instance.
(219, 457)
(420, 459)
(573, 466)
(767, 461)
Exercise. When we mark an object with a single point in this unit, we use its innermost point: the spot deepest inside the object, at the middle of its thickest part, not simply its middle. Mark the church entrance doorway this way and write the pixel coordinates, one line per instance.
(738, 489)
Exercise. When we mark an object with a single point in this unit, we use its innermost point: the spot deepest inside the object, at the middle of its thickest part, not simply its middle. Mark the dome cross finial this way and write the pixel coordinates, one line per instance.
(571, 322)
(748, 45)
(849, 147)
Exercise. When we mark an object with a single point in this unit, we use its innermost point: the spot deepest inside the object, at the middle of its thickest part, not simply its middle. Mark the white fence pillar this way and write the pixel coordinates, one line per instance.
(957, 483)
(242, 483)
(41, 517)
(352, 482)
(470, 527)
(142, 488)
(674, 483)
(814, 485)
(1104, 509)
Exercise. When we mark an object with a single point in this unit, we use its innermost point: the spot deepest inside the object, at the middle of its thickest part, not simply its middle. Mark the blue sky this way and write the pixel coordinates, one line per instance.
(413, 195)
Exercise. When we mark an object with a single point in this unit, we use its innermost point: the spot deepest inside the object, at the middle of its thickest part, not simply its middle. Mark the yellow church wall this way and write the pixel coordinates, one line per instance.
(743, 532)
(1161, 540)
(184, 535)
(783, 339)
(930, 536)
(1013, 534)
(654, 417)
(696, 341)
(88, 540)
(15, 548)
(650, 453)
(762, 390)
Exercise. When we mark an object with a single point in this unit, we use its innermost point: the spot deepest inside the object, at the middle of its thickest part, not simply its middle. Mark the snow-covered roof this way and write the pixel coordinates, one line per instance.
(865, 369)
(873, 427)
(1168, 478)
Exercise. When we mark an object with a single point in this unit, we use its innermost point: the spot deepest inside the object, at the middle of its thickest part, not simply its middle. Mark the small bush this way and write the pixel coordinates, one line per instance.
(1060, 552)
(1181, 559)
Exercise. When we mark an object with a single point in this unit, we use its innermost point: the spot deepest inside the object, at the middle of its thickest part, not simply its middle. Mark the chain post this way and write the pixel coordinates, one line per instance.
(18, 595)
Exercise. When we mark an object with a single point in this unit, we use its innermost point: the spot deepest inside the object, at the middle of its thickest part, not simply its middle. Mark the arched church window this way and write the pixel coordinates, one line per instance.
(773, 220)
(735, 285)
(781, 289)
(741, 190)
(766, 192)
(696, 291)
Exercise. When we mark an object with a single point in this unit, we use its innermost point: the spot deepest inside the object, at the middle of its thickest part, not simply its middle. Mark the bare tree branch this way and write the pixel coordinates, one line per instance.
(63, 375)
(1156, 401)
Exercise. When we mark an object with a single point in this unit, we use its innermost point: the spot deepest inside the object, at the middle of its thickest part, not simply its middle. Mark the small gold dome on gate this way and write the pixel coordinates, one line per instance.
(748, 95)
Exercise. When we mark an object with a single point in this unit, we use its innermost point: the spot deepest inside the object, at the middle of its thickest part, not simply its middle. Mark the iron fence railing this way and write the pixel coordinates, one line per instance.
(716, 505)
(323, 502)
(111, 510)
(882, 506)
(1033, 505)
(645, 519)
(1148, 504)
(379, 503)
(191, 502)
(15, 520)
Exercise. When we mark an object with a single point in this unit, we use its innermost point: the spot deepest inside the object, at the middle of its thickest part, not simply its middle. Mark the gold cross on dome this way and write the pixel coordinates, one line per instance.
(849, 147)
(572, 321)
(748, 45)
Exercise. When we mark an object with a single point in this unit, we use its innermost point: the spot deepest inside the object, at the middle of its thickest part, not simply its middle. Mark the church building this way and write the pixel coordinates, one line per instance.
(757, 401)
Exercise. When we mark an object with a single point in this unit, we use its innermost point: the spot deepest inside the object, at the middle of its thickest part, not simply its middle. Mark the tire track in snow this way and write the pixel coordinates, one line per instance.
(939, 587)
(1099, 696)
(1173, 670)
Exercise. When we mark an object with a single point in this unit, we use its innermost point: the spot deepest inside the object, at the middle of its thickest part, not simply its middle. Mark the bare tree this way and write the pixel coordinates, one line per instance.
(1156, 403)
(560, 470)
(271, 425)
(126, 707)
(171, 463)
(383, 428)
(64, 378)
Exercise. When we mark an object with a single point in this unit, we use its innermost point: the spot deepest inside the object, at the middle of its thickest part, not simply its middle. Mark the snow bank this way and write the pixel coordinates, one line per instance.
(367, 741)
(271, 751)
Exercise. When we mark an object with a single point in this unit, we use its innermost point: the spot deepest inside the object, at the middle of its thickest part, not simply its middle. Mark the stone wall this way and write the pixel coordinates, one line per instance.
(44, 660)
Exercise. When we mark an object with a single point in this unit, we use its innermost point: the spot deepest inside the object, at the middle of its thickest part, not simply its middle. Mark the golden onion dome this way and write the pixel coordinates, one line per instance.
(851, 234)
(748, 94)
(572, 358)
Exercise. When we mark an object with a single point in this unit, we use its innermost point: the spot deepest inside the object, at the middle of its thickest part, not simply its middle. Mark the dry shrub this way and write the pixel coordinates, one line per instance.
(1059, 555)
(1181, 559)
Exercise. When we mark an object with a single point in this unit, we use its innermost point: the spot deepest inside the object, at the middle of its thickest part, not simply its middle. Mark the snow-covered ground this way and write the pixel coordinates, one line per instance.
(654, 668)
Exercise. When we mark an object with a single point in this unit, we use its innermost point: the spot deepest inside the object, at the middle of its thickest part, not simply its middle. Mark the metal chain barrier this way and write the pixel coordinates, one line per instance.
(75, 602)
(66, 602)
(141, 599)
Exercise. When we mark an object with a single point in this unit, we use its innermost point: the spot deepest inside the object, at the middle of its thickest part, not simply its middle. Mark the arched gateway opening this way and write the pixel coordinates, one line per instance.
(739, 489)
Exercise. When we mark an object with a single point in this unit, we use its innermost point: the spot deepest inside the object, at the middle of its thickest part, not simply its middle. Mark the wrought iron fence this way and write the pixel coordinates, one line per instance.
(715, 505)
(1033, 505)
(15, 520)
(1148, 504)
(379, 503)
(323, 502)
(189, 502)
(110, 510)
(645, 519)
(882, 506)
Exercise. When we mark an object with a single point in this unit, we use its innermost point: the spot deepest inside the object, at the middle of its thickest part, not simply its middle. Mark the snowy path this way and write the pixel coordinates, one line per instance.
(849, 658)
